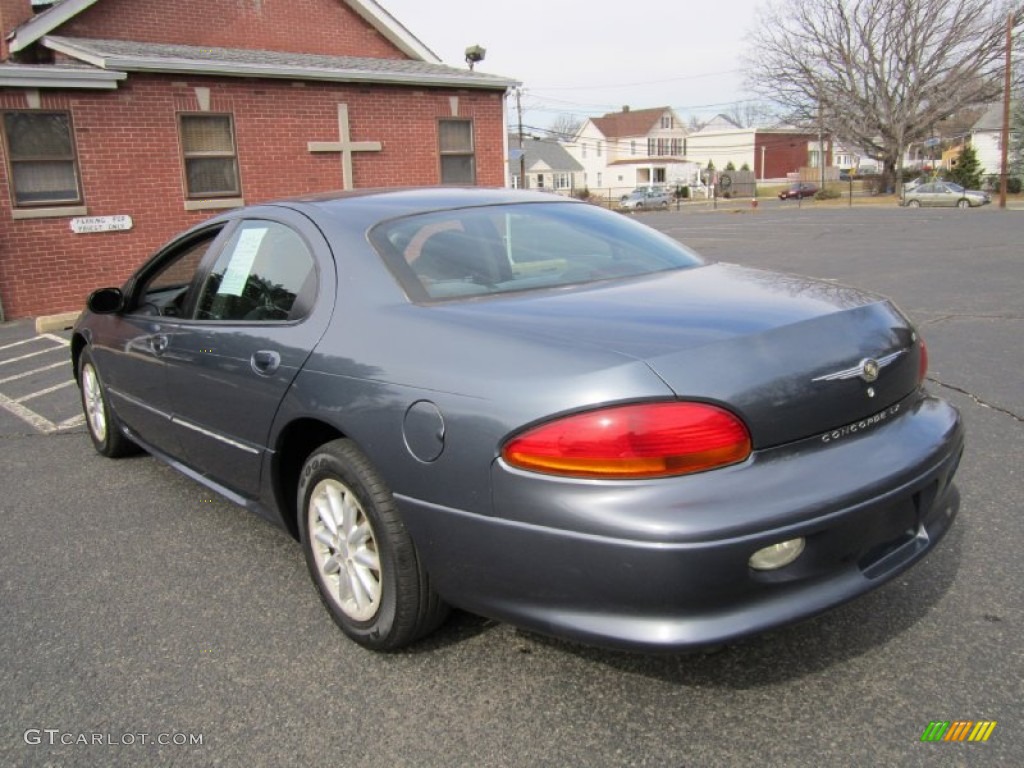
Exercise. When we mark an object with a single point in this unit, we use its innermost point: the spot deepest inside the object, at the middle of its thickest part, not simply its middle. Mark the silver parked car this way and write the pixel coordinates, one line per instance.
(646, 197)
(945, 193)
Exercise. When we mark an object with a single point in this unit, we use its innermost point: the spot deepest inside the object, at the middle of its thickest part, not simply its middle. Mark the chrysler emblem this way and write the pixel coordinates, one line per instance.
(867, 369)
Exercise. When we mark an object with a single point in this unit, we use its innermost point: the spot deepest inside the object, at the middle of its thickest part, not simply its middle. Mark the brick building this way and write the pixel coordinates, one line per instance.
(125, 121)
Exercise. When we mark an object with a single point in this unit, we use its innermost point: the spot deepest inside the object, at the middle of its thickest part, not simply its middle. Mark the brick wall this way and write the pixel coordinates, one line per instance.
(784, 153)
(12, 14)
(130, 163)
(327, 27)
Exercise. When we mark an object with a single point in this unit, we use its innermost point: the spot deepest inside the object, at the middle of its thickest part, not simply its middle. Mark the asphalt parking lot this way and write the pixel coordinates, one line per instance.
(137, 606)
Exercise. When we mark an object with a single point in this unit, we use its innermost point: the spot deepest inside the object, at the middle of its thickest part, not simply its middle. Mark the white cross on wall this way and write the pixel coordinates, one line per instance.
(346, 146)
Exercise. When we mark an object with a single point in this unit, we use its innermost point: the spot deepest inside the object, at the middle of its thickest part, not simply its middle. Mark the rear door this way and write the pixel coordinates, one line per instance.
(263, 305)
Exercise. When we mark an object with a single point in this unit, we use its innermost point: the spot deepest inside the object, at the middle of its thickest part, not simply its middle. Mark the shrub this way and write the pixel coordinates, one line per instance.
(827, 194)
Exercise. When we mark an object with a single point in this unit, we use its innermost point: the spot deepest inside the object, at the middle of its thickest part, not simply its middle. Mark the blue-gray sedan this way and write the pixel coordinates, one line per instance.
(530, 408)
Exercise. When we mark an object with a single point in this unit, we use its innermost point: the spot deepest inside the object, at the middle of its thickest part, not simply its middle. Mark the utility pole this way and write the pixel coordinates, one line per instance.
(821, 144)
(522, 152)
(1004, 169)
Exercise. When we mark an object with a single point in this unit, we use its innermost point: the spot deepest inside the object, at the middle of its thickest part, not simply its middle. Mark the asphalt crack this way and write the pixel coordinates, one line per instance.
(962, 316)
(978, 400)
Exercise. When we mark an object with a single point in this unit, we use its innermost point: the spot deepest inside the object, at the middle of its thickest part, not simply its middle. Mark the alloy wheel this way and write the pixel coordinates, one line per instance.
(345, 549)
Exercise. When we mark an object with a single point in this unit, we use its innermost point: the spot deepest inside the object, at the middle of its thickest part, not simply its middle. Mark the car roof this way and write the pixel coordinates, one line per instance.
(379, 204)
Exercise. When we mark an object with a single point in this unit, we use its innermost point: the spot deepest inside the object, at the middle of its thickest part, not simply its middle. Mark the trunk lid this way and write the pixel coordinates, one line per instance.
(784, 352)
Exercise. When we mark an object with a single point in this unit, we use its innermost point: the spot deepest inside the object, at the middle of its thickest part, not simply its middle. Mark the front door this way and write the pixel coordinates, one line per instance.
(131, 357)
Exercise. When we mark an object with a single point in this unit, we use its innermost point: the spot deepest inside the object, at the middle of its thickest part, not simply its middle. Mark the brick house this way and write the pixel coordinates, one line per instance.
(771, 153)
(126, 121)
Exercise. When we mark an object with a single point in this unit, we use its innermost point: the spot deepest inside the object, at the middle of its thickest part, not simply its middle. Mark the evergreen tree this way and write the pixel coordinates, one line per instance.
(967, 172)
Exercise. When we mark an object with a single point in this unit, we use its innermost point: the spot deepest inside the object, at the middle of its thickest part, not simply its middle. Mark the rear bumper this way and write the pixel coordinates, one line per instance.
(663, 565)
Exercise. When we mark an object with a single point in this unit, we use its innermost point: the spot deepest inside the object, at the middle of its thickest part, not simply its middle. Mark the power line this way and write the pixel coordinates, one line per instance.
(641, 82)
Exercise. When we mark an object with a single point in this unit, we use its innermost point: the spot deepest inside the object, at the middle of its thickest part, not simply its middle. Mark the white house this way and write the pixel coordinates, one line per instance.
(720, 142)
(632, 148)
(547, 163)
(986, 138)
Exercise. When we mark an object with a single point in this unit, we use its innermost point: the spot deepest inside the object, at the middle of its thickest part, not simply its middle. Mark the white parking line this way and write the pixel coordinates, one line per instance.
(31, 354)
(52, 337)
(15, 406)
(27, 341)
(25, 414)
(34, 371)
(74, 421)
(46, 391)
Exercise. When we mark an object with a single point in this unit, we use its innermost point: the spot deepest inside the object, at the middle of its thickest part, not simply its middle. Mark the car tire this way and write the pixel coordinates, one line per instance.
(664, 205)
(359, 554)
(103, 426)
(963, 204)
(914, 204)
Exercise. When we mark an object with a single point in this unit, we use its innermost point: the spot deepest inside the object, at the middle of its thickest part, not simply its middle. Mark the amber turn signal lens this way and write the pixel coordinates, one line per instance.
(633, 441)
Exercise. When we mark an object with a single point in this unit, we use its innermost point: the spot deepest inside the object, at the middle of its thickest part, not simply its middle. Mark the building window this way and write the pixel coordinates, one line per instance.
(662, 147)
(208, 150)
(562, 181)
(666, 121)
(650, 147)
(632, 147)
(41, 157)
(599, 179)
(540, 181)
(458, 161)
(600, 148)
(677, 147)
(583, 149)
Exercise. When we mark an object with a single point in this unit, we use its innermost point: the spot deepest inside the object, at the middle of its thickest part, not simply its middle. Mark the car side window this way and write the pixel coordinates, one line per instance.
(265, 273)
(165, 291)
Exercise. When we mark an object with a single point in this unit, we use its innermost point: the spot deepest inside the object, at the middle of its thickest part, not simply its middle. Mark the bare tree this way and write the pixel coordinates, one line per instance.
(878, 74)
(565, 126)
(695, 124)
(749, 114)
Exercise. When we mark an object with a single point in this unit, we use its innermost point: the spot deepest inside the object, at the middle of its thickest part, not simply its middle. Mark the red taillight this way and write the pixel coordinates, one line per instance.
(922, 360)
(633, 441)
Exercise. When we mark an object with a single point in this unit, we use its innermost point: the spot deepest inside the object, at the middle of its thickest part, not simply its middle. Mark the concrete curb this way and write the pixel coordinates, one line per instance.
(61, 322)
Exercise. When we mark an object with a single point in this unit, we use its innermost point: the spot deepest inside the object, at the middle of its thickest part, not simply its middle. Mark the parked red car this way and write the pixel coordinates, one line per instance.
(797, 191)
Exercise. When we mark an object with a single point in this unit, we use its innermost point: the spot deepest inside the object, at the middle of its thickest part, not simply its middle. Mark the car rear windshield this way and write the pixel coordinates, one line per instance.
(495, 249)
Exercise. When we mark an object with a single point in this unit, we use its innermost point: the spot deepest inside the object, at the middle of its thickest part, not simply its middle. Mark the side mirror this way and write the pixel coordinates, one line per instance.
(105, 301)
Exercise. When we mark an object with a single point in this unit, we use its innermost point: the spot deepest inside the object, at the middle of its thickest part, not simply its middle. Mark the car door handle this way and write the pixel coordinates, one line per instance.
(265, 362)
(158, 343)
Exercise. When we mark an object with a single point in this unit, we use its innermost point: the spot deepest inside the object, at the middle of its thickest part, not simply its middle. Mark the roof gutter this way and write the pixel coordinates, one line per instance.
(15, 76)
(238, 69)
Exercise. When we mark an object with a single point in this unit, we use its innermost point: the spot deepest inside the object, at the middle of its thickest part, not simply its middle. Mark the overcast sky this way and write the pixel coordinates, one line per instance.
(592, 57)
